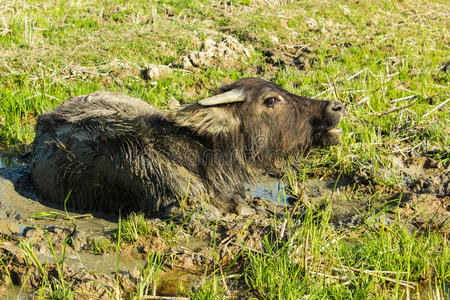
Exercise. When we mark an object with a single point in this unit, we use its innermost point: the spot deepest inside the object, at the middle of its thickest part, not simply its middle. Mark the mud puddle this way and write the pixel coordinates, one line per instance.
(25, 216)
(428, 290)
(170, 284)
(272, 189)
(10, 161)
(20, 204)
(105, 263)
(275, 190)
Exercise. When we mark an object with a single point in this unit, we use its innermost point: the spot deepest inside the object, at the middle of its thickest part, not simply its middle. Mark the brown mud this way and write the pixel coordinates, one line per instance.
(198, 243)
(282, 56)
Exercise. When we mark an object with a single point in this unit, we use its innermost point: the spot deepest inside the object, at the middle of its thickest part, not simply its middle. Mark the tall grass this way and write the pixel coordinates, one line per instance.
(51, 287)
(379, 261)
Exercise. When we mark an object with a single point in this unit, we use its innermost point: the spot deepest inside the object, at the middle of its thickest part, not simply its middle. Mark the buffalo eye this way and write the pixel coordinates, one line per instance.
(270, 102)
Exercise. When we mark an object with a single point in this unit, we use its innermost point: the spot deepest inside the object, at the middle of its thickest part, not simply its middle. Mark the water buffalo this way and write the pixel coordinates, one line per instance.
(115, 152)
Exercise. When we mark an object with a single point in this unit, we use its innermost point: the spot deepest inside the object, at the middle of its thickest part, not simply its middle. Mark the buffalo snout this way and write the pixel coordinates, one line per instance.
(333, 113)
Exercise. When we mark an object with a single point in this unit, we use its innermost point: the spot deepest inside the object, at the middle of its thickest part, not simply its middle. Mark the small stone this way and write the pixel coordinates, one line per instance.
(154, 72)
(431, 164)
(172, 103)
(9, 228)
(244, 210)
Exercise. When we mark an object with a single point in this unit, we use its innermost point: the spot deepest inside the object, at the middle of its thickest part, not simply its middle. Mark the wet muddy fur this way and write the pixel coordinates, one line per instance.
(116, 152)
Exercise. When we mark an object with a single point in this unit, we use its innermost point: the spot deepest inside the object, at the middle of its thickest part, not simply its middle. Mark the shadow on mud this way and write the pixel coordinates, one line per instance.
(15, 180)
(19, 198)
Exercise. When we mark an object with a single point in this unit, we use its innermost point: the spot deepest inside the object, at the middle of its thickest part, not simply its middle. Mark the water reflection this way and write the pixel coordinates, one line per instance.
(10, 161)
(272, 189)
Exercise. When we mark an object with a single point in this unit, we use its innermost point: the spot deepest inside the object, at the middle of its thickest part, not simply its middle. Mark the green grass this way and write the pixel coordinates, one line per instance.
(365, 55)
(314, 260)
(211, 289)
(373, 56)
(378, 262)
(51, 287)
(149, 275)
(101, 246)
(136, 227)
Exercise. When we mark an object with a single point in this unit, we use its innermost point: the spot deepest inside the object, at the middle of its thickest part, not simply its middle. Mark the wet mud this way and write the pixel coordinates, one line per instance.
(422, 198)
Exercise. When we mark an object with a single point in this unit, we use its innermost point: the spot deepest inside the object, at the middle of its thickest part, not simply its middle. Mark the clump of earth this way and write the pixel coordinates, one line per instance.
(281, 56)
(223, 54)
(423, 199)
(226, 53)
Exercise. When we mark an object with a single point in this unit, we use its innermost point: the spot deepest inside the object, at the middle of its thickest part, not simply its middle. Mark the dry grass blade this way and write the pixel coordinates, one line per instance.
(436, 108)
(164, 298)
(329, 276)
(403, 98)
(404, 283)
(392, 110)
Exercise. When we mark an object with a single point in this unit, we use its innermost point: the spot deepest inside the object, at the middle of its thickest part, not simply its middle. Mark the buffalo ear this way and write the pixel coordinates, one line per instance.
(209, 121)
(209, 116)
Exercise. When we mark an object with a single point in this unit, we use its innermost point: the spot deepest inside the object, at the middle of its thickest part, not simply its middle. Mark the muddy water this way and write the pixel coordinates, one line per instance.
(428, 290)
(273, 189)
(9, 161)
(169, 280)
(20, 205)
(21, 209)
(105, 263)
(19, 202)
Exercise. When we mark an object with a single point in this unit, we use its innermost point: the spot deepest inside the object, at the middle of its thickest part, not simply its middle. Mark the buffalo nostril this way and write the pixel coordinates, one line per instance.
(337, 108)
